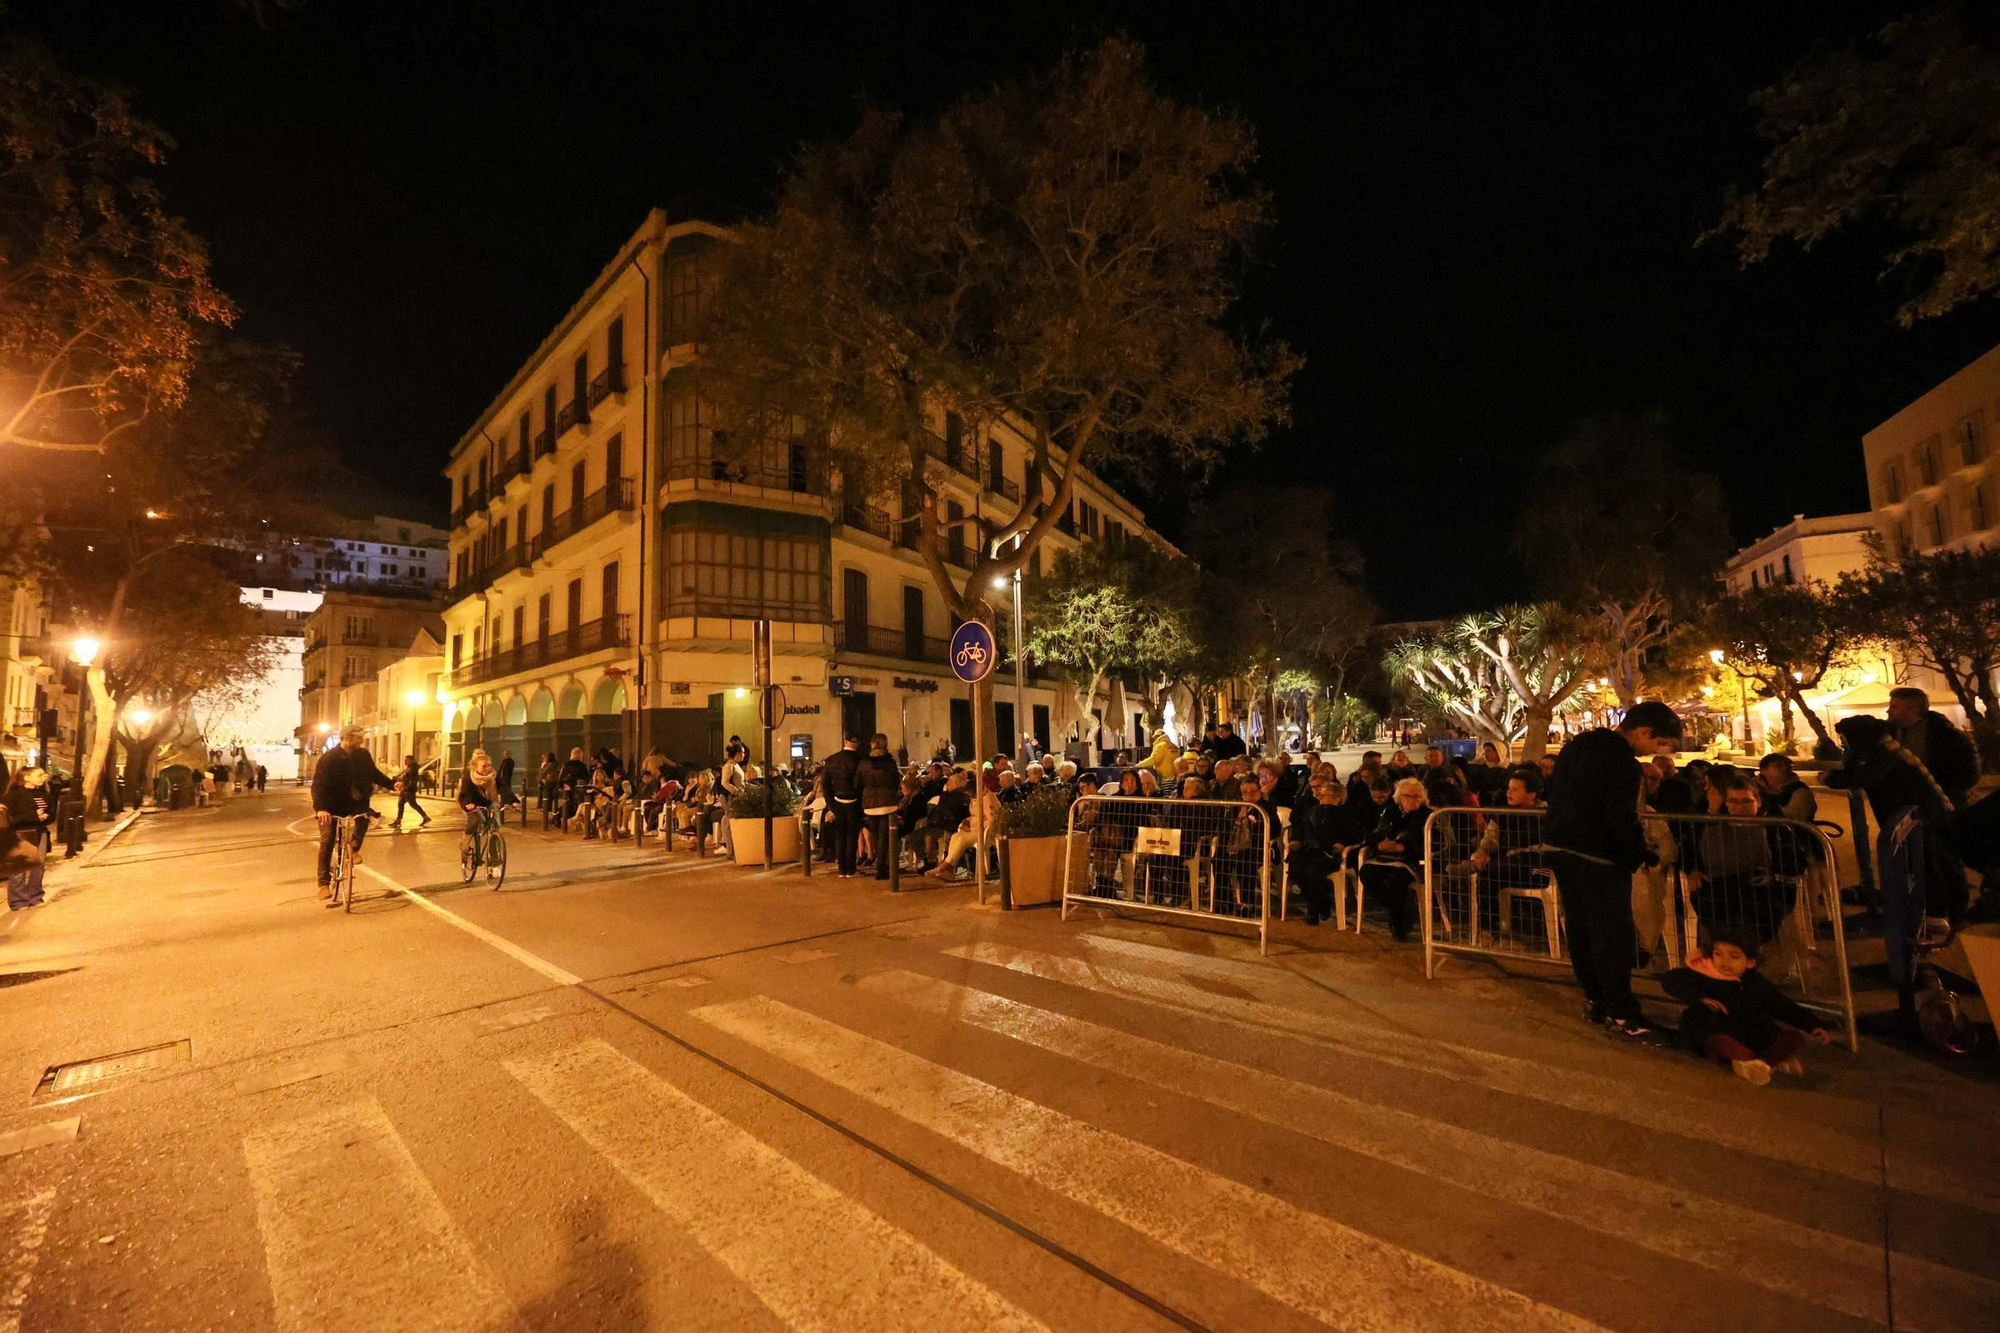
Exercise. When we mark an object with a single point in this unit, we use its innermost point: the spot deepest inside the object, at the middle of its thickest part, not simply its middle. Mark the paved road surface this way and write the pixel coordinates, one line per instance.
(635, 1091)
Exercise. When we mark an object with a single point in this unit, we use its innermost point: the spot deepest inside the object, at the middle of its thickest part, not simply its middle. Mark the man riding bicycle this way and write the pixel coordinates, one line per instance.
(342, 783)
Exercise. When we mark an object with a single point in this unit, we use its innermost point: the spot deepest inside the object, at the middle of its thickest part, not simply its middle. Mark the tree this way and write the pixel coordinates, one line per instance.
(1943, 610)
(1502, 675)
(1613, 524)
(104, 296)
(1056, 257)
(1903, 131)
(1101, 613)
(1786, 639)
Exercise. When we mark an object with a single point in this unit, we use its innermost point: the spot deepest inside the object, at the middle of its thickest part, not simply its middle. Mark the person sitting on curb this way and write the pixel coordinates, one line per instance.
(1735, 1016)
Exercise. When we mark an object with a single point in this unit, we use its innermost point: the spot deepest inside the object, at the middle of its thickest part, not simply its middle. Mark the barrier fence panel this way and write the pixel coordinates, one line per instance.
(1211, 859)
(1491, 886)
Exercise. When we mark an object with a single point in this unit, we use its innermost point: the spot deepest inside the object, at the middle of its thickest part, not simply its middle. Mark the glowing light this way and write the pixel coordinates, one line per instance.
(140, 716)
(1000, 585)
(415, 698)
(1708, 691)
(1869, 678)
(325, 727)
(154, 513)
(1799, 676)
(742, 693)
(1715, 656)
(444, 695)
(84, 651)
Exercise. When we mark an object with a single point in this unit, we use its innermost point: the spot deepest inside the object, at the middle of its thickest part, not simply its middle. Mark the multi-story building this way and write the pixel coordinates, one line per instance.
(399, 708)
(609, 563)
(262, 720)
(1933, 468)
(1805, 550)
(396, 555)
(30, 657)
(349, 639)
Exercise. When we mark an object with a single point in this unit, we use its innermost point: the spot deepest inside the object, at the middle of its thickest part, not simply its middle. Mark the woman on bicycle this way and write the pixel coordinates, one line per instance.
(479, 791)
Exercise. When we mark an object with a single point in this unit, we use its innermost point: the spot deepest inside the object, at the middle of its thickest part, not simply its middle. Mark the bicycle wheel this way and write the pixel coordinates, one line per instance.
(468, 857)
(496, 861)
(337, 869)
(347, 881)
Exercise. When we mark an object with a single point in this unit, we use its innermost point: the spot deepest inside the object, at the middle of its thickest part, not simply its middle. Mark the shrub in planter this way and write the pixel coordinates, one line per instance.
(746, 823)
(1045, 814)
(1037, 846)
(751, 801)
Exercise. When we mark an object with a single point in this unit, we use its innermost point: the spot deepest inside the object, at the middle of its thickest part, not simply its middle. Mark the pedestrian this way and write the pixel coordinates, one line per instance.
(1735, 1016)
(1595, 841)
(546, 778)
(30, 810)
(406, 792)
(880, 782)
(843, 793)
(263, 776)
(506, 769)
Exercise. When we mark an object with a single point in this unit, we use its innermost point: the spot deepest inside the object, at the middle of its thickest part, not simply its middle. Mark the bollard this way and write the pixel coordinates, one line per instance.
(701, 833)
(1006, 878)
(805, 842)
(895, 855)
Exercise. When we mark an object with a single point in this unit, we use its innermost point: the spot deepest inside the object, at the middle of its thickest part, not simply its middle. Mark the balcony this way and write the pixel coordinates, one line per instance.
(511, 467)
(570, 415)
(609, 381)
(884, 641)
(962, 463)
(799, 469)
(1005, 487)
(545, 443)
(576, 641)
(612, 499)
(478, 576)
(868, 518)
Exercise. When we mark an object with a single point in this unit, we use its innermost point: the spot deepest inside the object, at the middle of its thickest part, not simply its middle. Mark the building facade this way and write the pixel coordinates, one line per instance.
(31, 655)
(263, 720)
(609, 563)
(399, 708)
(393, 555)
(1933, 471)
(349, 639)
(1805, 550)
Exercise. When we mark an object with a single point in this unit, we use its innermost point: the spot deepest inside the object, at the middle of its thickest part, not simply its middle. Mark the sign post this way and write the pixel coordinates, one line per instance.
(971, 655)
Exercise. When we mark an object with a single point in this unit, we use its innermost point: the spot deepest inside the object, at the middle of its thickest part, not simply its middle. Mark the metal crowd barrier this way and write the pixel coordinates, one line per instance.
(1208, 859)
(1489, 887)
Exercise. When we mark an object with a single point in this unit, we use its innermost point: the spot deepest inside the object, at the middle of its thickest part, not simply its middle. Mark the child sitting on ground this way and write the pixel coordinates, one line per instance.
(1734, 1016)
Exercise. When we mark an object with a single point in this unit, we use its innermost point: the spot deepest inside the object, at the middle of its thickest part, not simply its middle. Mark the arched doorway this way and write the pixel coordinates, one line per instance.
(491, 720)
(541, 729)
(569, 720)
(514, 739)
(455, 750)
(606, 723)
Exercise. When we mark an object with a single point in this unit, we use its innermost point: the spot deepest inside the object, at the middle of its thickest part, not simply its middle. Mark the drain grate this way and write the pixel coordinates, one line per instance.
(80, 1078)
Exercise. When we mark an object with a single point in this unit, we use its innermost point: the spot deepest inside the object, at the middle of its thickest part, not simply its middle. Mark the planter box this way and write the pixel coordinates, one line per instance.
(746, 836)
(1034, 867)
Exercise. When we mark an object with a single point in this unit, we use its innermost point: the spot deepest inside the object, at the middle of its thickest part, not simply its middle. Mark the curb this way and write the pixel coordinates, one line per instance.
(57, 879)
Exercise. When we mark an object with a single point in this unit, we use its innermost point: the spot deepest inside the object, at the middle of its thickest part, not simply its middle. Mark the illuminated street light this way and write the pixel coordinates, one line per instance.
(140, 716)
(83, 652)
(415, 698)
(444, 695)
(1715, 656)
(325, 727)
(742, 693)
(999, 585)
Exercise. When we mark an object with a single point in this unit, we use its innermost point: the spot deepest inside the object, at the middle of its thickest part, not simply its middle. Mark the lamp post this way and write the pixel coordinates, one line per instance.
(1020, 666)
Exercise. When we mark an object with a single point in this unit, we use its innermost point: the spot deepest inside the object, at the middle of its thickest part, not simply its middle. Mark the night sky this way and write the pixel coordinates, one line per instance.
(1486, 220)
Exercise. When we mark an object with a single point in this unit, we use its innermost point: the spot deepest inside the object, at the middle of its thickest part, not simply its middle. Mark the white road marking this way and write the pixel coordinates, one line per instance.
(354, 1235)
(298, 1071)
(1803, 1143)
(814, 1256)
(478, 932)
(26, 1225)
(39, 1136)
(803, 955)
(1814, 1266)
(1334, 1273)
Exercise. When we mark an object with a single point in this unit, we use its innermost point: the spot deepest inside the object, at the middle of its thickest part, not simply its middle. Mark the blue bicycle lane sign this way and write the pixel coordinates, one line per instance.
(972, 652)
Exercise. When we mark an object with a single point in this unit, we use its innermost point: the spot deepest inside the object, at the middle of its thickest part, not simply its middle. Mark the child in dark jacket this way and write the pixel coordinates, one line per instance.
(1737, 1018)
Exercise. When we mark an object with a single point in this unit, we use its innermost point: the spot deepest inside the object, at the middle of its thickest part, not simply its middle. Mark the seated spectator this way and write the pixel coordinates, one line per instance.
(968, 836)
(947, 814)
(1396, 856)
(1739, 890)
(1736, 1017)
(1246, 845)
(1399, 766)
(665, 790)
(1011, 792)
(1780, 792)
(1149, 782)
(1321, 837)
(1505, 856)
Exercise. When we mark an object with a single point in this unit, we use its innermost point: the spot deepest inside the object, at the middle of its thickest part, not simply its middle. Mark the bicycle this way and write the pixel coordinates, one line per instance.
(342, 867)
(485, 846)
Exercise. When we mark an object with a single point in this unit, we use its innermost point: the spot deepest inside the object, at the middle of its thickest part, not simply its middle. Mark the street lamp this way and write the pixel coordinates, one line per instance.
(83, 652)
(415, 698)
(1715, 655)
(1020, 663)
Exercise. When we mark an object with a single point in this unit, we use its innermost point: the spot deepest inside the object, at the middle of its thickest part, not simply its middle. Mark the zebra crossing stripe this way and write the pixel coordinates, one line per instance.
(1333, 1273)
(26, 1226)
(354, 1235)
(815, 1257)
(1801, 1143)
(1814, 1266)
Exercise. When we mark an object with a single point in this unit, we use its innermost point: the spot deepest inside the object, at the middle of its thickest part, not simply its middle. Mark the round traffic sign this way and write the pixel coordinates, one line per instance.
(972, 652)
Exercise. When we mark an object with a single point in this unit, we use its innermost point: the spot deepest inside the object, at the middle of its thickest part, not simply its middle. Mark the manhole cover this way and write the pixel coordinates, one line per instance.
(80, 1078)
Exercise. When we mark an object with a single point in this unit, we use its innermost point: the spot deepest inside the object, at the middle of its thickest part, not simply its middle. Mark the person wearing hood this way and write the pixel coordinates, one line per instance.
(1161, 760)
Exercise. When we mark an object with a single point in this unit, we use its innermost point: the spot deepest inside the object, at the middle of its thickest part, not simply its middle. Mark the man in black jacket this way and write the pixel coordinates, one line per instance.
(843, 791)
(342, 783)
(1931, 737)
(1595, 842)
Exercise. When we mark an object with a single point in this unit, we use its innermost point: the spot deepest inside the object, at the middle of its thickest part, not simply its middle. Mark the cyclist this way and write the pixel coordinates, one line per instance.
(480, 794)
(342, 783)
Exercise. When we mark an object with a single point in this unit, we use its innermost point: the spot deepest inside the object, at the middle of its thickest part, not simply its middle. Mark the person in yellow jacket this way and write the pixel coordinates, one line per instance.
(1161, 760)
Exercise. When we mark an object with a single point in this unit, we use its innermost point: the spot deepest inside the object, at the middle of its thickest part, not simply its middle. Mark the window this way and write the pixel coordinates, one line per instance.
(358, 627)
(1976, 507)
(579, 385)
(1753, 580)
(520, 624)
(267, 594)
(690, 281)
(954, 535)
(576, 491)
(1787, 570)
(542, 614)
(954, 439)
(1892, 483)
(1927, 461)
(723, 572)
(614, 459)
(526, 428)
(520, 527)
(996, 466)
(614, 352)
(607, 601)
(548, 510)
(1971, 445)
(689, 446)
(478, 640)
(854, 608)
(501, 532)
(1940, 525)
(913, 623)
(549, 412)
(355, 668)
(354, 546)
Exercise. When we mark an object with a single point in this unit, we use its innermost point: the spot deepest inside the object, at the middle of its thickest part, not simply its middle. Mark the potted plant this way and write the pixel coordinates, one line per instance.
(1036, 845)
(746, 823)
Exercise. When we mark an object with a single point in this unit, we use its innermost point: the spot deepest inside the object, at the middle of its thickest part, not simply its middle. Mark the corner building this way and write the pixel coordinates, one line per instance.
(608, 566)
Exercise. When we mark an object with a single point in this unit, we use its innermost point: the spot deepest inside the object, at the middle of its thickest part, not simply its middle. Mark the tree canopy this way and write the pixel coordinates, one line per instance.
(1103, 612)
(1903, 131)
(1943, 609)
(1061, 254)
